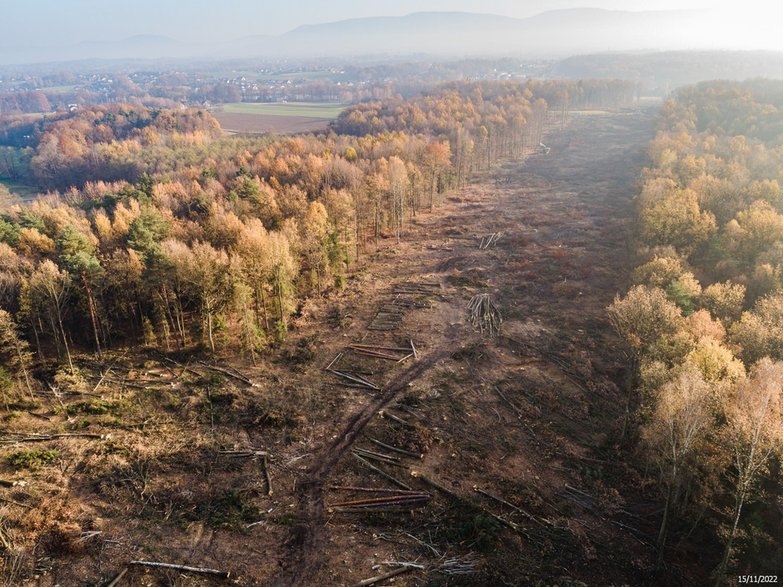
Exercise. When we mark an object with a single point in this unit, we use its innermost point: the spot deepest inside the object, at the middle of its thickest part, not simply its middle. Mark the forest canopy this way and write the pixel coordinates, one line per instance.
(703, 321)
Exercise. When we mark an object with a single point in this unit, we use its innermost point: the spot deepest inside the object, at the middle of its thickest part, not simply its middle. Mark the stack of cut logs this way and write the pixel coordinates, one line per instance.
(387, 500)
(484, 314)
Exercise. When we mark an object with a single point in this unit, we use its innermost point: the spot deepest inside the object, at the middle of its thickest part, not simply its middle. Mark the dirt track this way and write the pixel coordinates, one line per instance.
(528, 414)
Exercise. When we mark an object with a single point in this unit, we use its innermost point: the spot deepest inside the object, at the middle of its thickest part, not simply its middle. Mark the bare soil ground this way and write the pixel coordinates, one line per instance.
(235, 122)
(518, 432)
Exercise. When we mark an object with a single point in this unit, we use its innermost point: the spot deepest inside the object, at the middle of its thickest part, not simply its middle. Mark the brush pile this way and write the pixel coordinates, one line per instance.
(484, 314)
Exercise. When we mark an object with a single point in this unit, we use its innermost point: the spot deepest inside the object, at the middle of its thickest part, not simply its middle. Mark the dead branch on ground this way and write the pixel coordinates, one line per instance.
(183, 568)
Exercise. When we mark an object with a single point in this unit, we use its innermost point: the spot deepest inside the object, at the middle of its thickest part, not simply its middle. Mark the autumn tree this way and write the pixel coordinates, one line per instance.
(78, 255)
(49, 289)
(643, 317)
(203, 271)
(759, 333)
(753, 433)
(315, 235)
(436, 159)
(15, 350)
(673, 436)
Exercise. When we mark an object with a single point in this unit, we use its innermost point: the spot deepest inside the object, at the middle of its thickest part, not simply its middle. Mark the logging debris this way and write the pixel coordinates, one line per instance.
(511, 505)
(378, 458)
(468, 502)
(183, 568)
(370, 489)
(357, 380)
(382, 473)
(116, 579)
(407, 500)
(484, 314)
(44, 437)
(384, 576)
(457, 566)
(489, 240)
(389, 416)
(401, 451)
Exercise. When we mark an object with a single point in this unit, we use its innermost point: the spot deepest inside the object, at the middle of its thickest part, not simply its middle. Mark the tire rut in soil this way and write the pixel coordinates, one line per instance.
(306, 536)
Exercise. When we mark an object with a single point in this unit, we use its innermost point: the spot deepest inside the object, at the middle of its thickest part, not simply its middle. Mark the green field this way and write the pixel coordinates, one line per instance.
(22, 191)
(325, 110)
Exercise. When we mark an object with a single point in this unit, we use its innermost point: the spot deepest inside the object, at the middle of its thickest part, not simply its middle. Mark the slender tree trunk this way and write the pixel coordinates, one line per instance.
(263, 307)
(91, 304)
(65, 341)
(209, 327)
(724, 563)
(56, 335)
(432, 191)
(180, 320)
(23, 367)
(37, 339)
(664, 527)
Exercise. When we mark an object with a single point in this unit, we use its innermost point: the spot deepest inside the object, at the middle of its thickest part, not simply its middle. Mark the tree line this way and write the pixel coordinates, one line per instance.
(703, 320)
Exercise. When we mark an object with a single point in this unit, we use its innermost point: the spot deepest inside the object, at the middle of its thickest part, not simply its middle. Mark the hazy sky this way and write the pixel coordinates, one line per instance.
(30, 23)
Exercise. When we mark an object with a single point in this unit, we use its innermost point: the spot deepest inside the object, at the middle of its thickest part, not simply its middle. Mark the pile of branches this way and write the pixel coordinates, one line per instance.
(489, 240)
(484, 314)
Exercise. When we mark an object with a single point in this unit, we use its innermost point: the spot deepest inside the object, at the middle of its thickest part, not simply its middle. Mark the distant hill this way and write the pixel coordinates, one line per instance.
(553, 34)
(557, 33)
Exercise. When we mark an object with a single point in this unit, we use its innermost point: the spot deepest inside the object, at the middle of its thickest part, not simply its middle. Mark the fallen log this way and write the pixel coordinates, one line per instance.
(379, 578)
(44, 438)
(247, 453)
(376, 354)
(389, 509)
(116, 579)
(183, 568)
(395, 449)
(465, 500)
(378, 454)
(377, 347)
(372, 457)
(185, 368)
(393, 418)
(226, 372)
(385, 500)
(371, 489)
(337, 358)
(356, 379)
(382, 473)
(506, 503)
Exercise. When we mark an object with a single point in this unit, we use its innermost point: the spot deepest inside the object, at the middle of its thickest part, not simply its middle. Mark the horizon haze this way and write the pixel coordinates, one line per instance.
(153, 30)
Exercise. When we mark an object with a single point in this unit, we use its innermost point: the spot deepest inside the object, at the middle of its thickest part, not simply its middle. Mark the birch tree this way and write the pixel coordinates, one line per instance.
(752, 434)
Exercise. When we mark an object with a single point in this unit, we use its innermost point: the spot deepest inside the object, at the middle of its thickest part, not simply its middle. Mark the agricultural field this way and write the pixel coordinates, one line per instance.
(278, 117)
